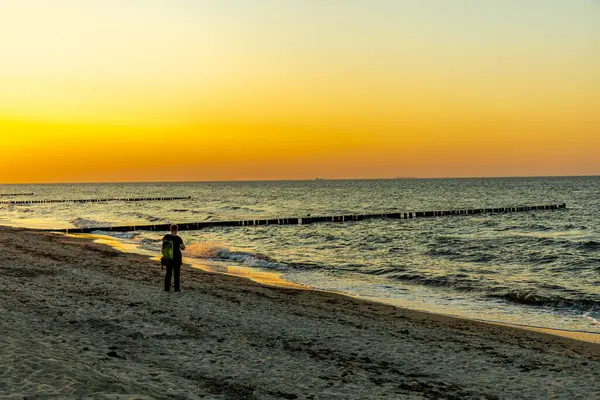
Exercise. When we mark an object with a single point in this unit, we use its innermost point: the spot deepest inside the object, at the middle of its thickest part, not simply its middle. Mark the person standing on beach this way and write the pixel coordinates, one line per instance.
(174, 264)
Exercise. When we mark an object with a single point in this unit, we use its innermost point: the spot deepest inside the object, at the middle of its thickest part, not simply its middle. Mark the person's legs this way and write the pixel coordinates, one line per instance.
(177, 271)
(168, 278)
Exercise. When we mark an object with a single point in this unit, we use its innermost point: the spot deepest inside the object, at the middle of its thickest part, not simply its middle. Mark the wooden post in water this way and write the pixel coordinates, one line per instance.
(294, 220)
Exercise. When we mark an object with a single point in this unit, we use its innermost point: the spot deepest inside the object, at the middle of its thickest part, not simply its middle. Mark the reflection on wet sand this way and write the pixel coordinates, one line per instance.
(262, 277)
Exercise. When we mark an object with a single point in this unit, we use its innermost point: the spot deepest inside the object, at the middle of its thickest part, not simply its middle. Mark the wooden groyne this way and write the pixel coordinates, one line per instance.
(311, 220)
(15, 194)
(94, 200)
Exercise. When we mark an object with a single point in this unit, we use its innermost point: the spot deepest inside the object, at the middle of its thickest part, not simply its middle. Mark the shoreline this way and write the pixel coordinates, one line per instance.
(274, 279)
(83, 319)
(253, 274)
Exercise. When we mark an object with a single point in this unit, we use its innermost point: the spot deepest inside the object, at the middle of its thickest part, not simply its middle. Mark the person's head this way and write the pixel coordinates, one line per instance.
(174, 228)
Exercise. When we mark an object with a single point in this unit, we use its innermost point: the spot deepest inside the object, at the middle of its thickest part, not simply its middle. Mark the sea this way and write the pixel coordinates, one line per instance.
(538, 268)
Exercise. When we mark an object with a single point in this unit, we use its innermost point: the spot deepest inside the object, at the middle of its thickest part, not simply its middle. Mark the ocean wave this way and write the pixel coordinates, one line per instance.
(463, 254)
(240, 208)
(521, 249)
(538, 258)
(538, 227)
(222, 252)
(118, 235)
(219, 251)
(147, 217)
(591, 245)
(253, 260)
(488, 223)
(87, 223)
(585, 245)
(554, 296)
(460, 282)
(205, 249)
(532, 297)
(378, 271)
(551, 241)
(570, 227)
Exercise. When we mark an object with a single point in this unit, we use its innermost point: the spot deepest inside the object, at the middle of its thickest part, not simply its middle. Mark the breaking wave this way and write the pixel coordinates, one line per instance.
(119, 235)
(534, 298)
(222, 252)
(87, 223)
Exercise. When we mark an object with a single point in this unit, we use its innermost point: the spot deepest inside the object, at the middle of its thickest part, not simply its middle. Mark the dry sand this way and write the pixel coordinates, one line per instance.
(81, 320)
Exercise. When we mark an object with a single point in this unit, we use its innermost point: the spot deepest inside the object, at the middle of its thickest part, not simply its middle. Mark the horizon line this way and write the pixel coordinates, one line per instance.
(306, 179)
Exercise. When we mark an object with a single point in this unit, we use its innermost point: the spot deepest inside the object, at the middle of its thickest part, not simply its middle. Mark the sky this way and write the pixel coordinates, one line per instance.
(194, 90)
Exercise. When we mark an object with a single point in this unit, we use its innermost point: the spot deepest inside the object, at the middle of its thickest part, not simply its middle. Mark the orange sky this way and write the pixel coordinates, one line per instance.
(103, 91)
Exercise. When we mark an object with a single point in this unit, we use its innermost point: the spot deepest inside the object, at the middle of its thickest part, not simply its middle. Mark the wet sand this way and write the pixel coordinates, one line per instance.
(83, 320)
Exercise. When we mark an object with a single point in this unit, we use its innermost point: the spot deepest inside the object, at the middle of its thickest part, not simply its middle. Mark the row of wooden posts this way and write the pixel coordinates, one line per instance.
(15, 194)
(311, 220)
(94, 200)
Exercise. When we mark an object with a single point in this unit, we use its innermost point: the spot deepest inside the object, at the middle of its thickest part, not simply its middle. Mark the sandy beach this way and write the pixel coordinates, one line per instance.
(82, 320)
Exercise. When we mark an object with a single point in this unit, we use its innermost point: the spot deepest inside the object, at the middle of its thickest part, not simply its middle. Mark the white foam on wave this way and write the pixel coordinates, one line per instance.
(119, 235)
(220, 251)
(86, 223)
(205, 249)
